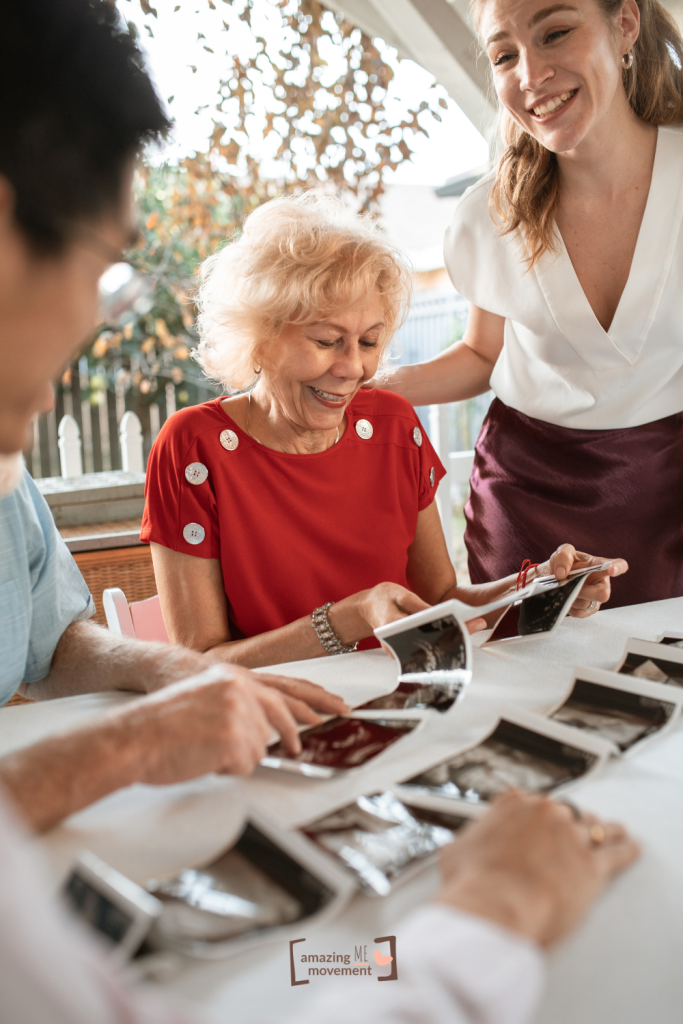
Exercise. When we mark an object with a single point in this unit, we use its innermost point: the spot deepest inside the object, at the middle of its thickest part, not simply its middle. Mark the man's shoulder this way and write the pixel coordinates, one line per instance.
(25, 503)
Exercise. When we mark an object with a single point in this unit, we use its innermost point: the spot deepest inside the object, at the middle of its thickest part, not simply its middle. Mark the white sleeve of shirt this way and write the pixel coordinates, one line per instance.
(454, 968)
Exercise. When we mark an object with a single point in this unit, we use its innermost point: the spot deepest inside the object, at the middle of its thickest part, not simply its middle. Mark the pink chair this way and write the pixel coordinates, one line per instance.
(141, 619)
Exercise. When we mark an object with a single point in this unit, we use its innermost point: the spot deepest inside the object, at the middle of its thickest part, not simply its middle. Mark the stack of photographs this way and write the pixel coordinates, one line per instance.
(525, 751)
(658, 662)
(623, 711)
(382, 841)
(434, 656)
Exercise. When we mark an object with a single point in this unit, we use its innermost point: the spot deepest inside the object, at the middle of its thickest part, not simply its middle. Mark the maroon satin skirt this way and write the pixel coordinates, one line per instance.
(617, 493)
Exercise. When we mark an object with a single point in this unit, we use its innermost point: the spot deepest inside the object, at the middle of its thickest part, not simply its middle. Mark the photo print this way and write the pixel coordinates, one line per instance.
(378, 838)
(538, 614)
(513, 756)
(263, 882)
(656, 662)
(266, 880)
(672, 639)
(623, 717)
(339, 745)
(434, 666)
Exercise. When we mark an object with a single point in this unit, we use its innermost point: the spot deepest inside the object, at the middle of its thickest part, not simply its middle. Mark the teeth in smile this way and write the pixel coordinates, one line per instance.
(327, 396)
(547, 108)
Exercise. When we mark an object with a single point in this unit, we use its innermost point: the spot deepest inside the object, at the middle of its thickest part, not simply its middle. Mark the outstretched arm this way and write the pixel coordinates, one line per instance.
(461, 372)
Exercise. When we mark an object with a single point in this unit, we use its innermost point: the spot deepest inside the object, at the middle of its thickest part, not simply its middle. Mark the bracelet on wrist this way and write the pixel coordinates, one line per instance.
(325, 634)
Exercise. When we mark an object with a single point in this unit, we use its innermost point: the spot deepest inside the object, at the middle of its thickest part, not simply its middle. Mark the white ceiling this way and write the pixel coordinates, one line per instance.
(438, 35)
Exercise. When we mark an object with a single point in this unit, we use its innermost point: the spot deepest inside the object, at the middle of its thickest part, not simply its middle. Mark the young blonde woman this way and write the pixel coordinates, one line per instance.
(571, 255)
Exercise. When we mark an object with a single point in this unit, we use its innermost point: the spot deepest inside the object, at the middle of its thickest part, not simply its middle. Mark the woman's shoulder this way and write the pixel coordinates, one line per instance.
(187, 427)
(484, 265)
(392, 417)
(378, 402)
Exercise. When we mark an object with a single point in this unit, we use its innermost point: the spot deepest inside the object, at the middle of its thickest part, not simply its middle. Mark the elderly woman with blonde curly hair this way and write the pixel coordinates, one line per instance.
(297, 515)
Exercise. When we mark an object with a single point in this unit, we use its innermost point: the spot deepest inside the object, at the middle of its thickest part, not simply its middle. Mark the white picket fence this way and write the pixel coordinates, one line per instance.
(70, 445)
(450, 493)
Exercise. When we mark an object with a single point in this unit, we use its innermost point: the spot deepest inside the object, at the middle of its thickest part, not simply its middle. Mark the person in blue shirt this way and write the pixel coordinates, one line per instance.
(72, 122)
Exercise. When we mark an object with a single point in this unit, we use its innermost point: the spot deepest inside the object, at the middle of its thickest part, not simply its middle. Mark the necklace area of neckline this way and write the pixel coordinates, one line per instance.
(336, 440)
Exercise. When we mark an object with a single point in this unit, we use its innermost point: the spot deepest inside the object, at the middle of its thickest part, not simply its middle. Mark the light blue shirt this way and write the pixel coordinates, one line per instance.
(41, 588)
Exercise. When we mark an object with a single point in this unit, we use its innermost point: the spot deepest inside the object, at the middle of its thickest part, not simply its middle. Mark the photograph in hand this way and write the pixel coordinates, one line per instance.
(622, 717)
(512, 757)
(433, 660)
(340, 744)
(539, 613)
(378, 838)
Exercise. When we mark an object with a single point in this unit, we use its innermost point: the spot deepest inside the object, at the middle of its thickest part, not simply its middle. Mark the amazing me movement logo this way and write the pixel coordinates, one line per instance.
(307, 966)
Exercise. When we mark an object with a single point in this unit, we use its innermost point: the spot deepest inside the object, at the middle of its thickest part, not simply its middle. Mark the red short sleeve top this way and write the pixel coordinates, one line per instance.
(292, 531)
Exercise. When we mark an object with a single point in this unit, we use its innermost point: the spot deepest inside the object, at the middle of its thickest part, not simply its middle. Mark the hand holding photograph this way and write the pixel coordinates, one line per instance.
(542, 611)
(339, 745)
(434, 655)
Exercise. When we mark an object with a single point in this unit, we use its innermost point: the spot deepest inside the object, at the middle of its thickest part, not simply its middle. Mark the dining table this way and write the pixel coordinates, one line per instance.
(622, 964)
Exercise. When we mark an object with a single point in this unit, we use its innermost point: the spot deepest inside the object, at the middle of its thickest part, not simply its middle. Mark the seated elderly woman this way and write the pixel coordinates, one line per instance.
(298, 515)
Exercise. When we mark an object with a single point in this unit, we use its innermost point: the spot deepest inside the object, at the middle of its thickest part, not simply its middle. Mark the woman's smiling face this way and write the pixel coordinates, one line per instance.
(557, 67)
(313, 371)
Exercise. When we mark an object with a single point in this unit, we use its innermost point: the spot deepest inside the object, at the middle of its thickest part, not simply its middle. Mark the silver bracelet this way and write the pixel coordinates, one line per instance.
(325, 634)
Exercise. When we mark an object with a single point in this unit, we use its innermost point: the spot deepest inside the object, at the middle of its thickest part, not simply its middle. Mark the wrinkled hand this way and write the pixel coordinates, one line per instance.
(218, 721)
(597, 587)
(532, 867)
(301, 697)
(356, 617)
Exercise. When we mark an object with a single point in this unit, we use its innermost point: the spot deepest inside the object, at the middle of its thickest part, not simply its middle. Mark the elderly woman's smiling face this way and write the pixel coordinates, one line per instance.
(312, 372)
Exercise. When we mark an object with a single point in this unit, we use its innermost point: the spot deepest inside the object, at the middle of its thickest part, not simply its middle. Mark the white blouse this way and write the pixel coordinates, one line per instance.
(557, 363)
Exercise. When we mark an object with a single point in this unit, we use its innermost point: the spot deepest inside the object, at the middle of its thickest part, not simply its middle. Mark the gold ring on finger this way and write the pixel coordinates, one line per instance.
(597, 835)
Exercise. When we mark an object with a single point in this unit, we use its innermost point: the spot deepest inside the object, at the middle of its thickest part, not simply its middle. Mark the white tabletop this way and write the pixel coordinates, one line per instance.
(623, 964)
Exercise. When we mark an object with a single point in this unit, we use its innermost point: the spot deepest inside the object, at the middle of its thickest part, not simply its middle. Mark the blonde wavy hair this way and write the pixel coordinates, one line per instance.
(526, 191)
(299, 259)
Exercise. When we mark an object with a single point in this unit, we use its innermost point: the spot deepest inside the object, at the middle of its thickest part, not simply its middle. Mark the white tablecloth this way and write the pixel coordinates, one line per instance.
(623, 964)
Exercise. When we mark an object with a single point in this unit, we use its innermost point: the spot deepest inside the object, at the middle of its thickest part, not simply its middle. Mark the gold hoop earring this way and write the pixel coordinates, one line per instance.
(627, 60)
(257, 370)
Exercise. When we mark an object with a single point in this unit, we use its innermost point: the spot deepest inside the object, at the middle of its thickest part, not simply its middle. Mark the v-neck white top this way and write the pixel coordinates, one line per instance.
(557, 363)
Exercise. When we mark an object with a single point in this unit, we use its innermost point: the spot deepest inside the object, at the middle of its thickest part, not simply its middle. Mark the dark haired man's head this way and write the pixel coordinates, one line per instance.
(76, 107)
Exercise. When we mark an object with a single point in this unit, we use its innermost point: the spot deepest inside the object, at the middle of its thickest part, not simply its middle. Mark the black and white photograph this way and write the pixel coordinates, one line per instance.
(539, 613)
(512, 757)
(672, 640)
(622, 717)
(657, 670)
(437, 695)
(377, 838)
(437, 646)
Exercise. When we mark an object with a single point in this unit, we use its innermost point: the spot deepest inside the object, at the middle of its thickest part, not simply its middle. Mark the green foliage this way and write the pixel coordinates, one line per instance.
(323, 90)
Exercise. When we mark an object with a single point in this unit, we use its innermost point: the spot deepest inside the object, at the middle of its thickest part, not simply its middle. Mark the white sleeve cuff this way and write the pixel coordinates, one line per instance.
(497, 974)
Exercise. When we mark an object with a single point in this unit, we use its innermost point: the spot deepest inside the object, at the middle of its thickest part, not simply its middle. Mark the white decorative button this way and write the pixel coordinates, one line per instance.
(194, 533)
(196, 473)
(432, 476)
(364, 429)
(229, 439)
(417, 436)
